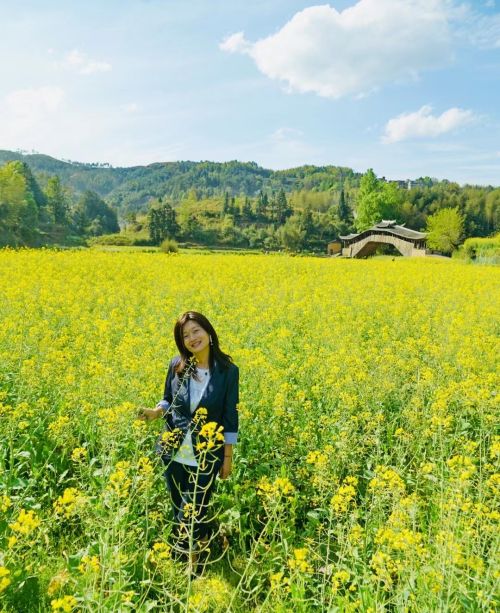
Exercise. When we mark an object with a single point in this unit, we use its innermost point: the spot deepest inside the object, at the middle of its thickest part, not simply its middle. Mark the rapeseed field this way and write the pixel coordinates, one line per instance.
(366, 477)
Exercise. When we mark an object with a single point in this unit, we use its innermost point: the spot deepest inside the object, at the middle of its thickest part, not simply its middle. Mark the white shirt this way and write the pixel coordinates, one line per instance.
(185, 453)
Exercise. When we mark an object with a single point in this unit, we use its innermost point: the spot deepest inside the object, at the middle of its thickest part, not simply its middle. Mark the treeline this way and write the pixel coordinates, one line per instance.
(130, 189)
(268, 221)
(34, 213)
(229, 204)
(307, 220)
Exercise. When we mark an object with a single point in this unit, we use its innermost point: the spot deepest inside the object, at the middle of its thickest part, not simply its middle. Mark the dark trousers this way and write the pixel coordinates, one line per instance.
(191, 488)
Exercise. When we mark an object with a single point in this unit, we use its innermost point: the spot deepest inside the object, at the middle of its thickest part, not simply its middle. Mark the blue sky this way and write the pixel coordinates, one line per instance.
(407, 87)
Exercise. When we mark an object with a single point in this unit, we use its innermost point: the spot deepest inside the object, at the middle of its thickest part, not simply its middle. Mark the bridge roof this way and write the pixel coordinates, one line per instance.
(389, 227)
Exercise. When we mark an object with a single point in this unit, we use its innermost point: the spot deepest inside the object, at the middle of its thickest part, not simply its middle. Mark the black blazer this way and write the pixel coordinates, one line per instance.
(220, 399)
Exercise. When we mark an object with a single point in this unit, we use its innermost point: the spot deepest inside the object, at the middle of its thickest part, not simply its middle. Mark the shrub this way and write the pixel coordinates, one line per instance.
(169, 246)
(483, 248)
(142, 242)
(112, 239)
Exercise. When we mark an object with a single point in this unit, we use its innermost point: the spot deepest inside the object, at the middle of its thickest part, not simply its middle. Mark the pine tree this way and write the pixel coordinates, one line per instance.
(57, 201)
(343, 209)
(226, 205)
(283, 209)
(162, 222)
(246, 210)
(261, 205)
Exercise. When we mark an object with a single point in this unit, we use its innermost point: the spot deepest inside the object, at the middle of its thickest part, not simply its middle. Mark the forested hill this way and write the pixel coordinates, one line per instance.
(130, 189)
(235, 204)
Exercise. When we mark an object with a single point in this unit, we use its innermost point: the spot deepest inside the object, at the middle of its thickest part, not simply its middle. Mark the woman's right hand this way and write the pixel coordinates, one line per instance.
(150, 414)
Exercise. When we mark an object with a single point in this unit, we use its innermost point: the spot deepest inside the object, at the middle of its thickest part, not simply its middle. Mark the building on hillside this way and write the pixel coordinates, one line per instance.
(408, 242)
(408, 184)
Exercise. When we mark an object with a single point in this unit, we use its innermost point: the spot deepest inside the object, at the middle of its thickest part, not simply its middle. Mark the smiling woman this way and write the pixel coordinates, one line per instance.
(199, 407)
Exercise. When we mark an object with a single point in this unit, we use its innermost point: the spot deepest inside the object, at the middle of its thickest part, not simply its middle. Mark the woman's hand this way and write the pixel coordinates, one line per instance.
(150, 414)
(226, 467)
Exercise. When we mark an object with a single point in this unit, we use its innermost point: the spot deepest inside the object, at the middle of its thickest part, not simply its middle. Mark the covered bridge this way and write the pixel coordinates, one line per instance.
(407, 242)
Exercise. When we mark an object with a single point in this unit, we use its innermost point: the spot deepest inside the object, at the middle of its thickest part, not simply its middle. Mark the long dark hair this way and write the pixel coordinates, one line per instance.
(222, 359)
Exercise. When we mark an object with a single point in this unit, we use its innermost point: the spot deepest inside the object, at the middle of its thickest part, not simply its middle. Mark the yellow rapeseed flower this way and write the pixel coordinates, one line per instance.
(70, 503)
(26, 522)
(5, 503)
(281, 486)
(79, 454)
(462, 467)
(495, 448)
(159, 552)
(170, 439)
(59, 426)
(210, 437)
(58, 581)
(386, 480)
(200, 417)
(4, 578)
(66, 604)
(299, 561)
(89, 564)
(317, 458)
(385, 568)
(119, 480)
(339, 578)
(345, 495)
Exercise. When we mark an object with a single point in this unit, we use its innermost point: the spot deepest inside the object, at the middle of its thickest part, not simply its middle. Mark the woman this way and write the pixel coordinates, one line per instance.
(199, 407)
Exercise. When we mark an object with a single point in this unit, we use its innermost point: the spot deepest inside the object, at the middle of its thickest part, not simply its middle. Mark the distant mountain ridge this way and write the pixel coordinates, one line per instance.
(131, 188)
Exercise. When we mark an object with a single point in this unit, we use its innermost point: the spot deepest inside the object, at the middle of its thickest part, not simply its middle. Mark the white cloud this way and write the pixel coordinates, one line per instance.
(474, 27)
(352, 52)
(422, 124)
(235, 43)
(81, 63)
(483, 31)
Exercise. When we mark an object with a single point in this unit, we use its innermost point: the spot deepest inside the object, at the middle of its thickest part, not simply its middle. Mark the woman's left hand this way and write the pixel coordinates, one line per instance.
(225, 470)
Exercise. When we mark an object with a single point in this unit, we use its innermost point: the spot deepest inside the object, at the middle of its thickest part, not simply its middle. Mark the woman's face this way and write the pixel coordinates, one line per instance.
(196, 339)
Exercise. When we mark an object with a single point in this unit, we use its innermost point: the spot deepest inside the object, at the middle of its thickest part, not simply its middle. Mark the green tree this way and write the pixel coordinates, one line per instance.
(261, 205)
(246, 210)
(93, 216)
(271, 240)
(445, 230)
(18, 209)
(226, 204)
(162, 222)
(338, 219)
(228, 233)
(57, 200)
(131, 220)
(190, 227)
(377, 200)
(283, 209)
(32, 185)
(344, 213)
(291, 235)
(492, 211)
(306, 223)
